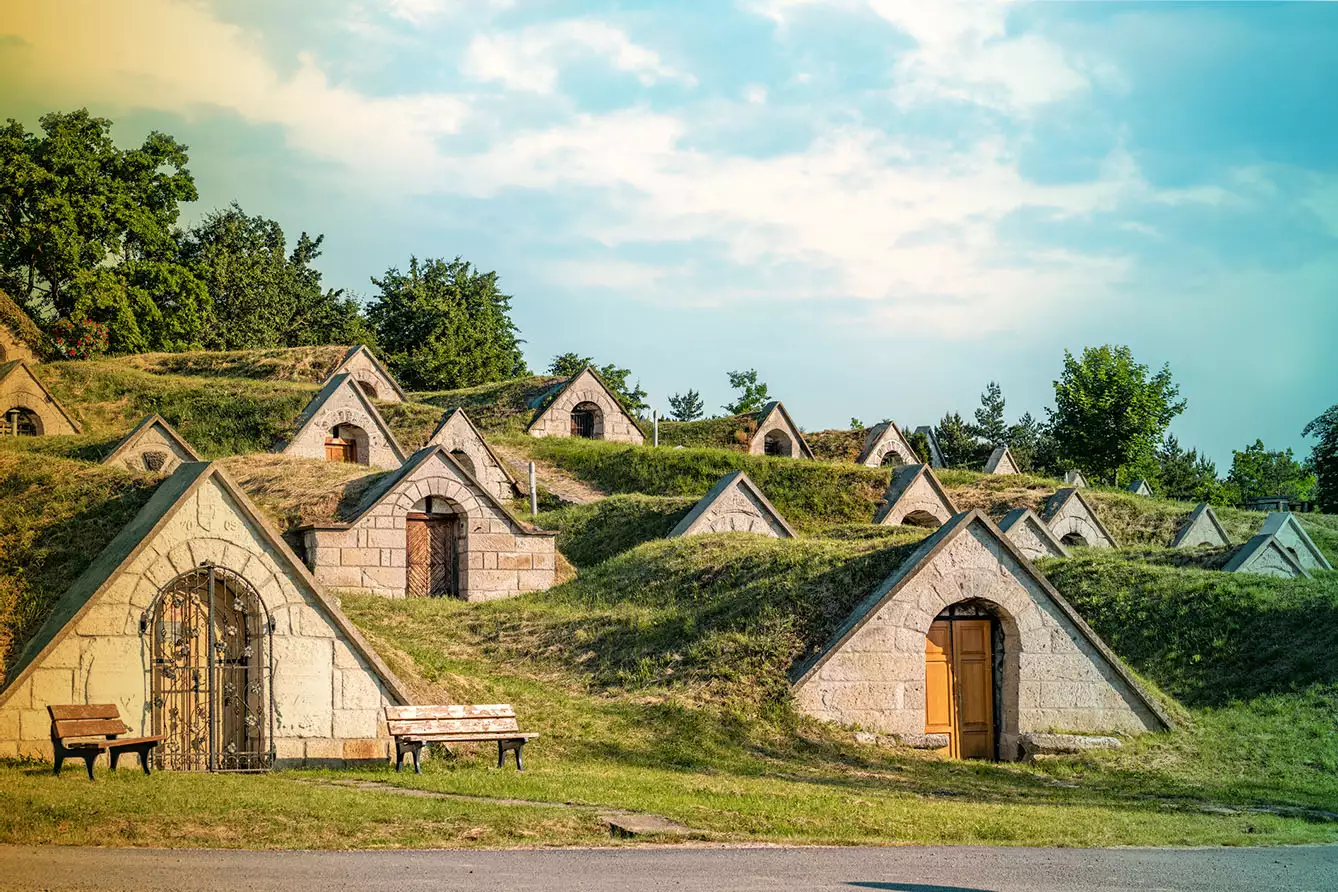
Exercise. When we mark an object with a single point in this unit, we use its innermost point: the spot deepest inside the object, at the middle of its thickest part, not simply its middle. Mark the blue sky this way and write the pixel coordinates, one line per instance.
(879, 205)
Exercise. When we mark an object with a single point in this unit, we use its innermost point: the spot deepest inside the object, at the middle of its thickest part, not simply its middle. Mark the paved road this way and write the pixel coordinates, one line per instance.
(650, 869)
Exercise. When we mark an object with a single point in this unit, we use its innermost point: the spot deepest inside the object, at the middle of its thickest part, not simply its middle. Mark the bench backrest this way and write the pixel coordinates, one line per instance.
(452, 719)
(93, 720)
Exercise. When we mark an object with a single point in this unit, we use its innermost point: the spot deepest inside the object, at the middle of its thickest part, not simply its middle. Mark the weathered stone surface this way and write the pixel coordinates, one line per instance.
(342, 408)
(1264, 555)
(1001, 461)
(497, 555)
(83, 655)
(611, 421)
(154, 445)
(1075, 479)
(915, 496)
(923, 741)
(734, 505)
(1056, 672)
(886, 445)
(774, 422)
(1201, 528)
(1040, 744)
(1074, 522)
(1029, 533)
(366, 370)
(457, 435)
(1283, 526)
(1140, 488)
(20, 388)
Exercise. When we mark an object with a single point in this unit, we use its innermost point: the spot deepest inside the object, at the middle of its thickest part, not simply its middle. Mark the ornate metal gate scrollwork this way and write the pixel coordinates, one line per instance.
(209, 677)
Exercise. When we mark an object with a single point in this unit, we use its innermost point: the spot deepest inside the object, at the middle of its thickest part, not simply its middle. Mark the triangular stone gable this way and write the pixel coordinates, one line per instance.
(20, 388)
(1001, 461)
(871, 672)
(1075, 479)
(1284, 526)
(457, 433)
(370, 374)
(326, 682)
(734, 505)
(915, 496)
(1201, 528)
(342, 403)
(154, 445)
(553, 410)
(1264, 555)
(1140, 488)
(1068, 514)
(935, 453)
(883, 440)
(1030, 534)
(774, 417)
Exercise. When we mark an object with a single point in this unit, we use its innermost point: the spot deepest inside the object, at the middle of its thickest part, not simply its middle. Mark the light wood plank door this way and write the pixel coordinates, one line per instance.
(940, 713)
(959, 687)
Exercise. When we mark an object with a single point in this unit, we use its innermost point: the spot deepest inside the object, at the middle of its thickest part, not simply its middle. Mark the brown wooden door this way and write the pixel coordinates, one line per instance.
(959, 687)
(430, 541)
(341, 450)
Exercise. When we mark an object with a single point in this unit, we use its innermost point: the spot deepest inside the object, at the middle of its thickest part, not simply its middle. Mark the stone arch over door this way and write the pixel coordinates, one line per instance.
(368, 387)
(348, 442)
(997, 686)
(777, 442)
(587, 420)
(433, 533)
(894, 458)
(18, 421)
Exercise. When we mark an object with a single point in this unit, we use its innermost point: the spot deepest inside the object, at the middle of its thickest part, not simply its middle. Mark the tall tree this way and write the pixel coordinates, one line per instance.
(1186, 475)
(1257, 472)
(633, 398)
(443, 325)
(261, 294)
(957, 441)
(1110, 411)
(990, 425)
(1324, 458)
(686, 406)
(1024, 440)
(84, 226)
(751, 395)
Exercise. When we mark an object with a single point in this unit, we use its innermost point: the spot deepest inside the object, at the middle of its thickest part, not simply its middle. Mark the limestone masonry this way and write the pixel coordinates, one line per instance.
(583, 406)
(153, 446)
(734, 505)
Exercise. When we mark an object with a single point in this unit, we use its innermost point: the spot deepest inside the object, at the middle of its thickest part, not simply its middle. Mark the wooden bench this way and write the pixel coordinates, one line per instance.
(413, 726)
(87, 731)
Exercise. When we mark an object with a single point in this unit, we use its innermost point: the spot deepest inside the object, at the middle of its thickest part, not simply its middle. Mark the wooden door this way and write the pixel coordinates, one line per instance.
(939, 696)
(338, 449)
(430, 541)
(959, 687)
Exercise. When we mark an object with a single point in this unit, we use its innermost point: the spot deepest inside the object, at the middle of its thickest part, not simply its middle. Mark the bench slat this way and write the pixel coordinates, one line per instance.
(88, 727)
(447, 726)
(466, 738)
(84, 711)
(115, 744)
(451, 711)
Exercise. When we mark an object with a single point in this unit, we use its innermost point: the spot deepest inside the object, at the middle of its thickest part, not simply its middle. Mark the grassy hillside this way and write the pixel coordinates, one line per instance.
(501, 407)
(309, 364)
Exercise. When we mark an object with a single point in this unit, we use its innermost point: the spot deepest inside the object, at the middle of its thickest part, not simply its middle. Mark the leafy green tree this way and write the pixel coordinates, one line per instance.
(957, 441)
(261, 294)
(1186, 475)
(752, 395)
(686, 406)
(856, 424)
(1324, 458)
(632, 398)
(443, 325)
(919, 441)
(1024, 440)
(87, 230)
(1256, 473)
(990, 425)
(1110, 411)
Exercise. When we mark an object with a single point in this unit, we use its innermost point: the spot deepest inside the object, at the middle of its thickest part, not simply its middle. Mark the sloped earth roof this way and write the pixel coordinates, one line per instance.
(22, 326)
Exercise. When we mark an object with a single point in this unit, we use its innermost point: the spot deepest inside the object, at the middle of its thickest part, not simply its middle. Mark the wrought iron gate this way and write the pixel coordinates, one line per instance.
(210, 673)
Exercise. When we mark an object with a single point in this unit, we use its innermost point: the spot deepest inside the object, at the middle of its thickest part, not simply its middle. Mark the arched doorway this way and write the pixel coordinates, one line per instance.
(922, 519)
(1074, 540)
(893, 459)
(210, 673)
(347, 443)
(20, 422)
(432, 549)
(587, 421)
(968, 694)
(777, 442)
(368, 389)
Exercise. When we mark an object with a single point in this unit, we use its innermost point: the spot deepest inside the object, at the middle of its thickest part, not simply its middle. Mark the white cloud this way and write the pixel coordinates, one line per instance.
(530, 59)
(423, 12)
(755, 94)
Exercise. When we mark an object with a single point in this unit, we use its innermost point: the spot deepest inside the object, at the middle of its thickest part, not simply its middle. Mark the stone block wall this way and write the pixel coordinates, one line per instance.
(737, 510)
(919, 499)
(328, 702)
(1054, 679)
(376, 385)
(1075, 519)
(344, 408)
(612, 423)
(19, 390)
(496, 557)
(458, 435)
(882, 441)
(153, 439)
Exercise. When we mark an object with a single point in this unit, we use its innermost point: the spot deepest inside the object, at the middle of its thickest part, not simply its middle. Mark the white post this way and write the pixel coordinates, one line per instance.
(534, 493)
(655, 419)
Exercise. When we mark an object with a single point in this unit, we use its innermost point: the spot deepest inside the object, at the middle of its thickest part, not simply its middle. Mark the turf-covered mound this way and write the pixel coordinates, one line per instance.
(1206, 637)
(593, 532)
(309, 364)
(500, 407)
(837, 445)
(58, 515)
(809, 494)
